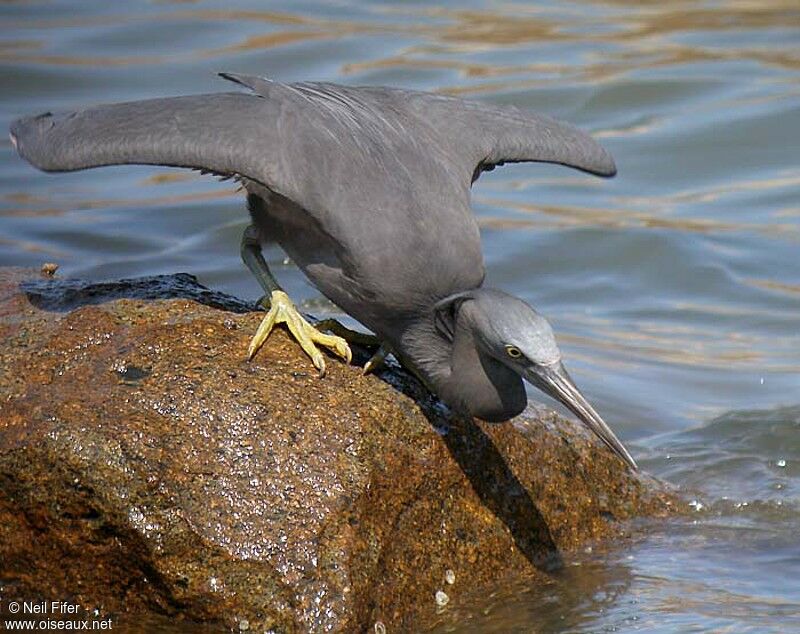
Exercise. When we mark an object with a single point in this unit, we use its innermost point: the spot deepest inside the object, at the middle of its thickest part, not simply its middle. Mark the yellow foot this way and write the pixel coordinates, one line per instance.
(282, 310)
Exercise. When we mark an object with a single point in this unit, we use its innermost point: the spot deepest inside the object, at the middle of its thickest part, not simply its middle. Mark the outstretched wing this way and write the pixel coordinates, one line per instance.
(483, 136)
(224, 133)
(511, 135)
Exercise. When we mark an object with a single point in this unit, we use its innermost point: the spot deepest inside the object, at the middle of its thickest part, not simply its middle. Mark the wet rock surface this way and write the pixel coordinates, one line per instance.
(146, 466)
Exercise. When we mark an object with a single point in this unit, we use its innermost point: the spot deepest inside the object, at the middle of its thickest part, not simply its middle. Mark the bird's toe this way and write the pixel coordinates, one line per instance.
(282, 310)
(262, 333)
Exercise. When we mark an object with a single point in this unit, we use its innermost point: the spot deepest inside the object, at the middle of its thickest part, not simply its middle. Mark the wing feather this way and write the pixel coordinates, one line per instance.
(485, 136)
(225, 133)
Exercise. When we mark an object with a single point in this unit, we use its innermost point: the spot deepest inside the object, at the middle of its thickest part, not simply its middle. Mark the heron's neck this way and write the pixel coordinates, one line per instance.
(463, 376)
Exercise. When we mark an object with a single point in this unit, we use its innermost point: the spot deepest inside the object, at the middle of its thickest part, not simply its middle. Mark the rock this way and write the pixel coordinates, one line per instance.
(146, 466)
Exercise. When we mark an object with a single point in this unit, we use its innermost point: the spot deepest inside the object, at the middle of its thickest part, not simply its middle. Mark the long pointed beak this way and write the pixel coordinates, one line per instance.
(556, 382)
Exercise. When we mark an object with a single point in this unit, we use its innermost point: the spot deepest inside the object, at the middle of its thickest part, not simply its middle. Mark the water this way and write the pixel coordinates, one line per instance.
(674, 288)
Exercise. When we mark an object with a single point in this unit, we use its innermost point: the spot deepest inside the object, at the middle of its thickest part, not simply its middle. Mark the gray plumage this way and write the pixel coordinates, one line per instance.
(368, 190)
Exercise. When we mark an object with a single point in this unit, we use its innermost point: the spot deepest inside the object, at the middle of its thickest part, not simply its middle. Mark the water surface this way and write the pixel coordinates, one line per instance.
(674, 288)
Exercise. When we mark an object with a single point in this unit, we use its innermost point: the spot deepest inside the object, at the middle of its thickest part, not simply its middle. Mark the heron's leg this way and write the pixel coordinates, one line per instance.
(282, 310)
(254, 259)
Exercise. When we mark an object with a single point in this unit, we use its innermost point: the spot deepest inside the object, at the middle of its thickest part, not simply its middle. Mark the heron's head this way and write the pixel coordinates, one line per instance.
(509, 330)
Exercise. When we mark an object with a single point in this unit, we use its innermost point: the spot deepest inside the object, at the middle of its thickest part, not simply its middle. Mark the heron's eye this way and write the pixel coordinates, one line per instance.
(513, 352)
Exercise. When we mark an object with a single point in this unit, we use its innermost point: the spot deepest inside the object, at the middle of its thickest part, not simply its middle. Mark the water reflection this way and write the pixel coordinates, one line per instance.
(33, 204)
(571, 601)
(646, 37)
(568, 216)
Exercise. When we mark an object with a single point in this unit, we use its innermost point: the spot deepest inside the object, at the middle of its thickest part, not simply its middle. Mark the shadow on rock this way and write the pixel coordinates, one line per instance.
(487, 470)
(501, 491)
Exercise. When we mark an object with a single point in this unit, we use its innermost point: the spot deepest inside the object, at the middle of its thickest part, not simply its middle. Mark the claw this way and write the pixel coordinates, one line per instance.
(376, 361)
(282, 310)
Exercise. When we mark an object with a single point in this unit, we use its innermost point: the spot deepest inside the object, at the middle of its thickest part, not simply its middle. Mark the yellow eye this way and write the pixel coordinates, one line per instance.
(513, 352)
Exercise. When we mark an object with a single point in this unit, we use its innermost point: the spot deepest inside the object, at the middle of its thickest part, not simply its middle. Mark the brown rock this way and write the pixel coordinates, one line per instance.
(146, 466)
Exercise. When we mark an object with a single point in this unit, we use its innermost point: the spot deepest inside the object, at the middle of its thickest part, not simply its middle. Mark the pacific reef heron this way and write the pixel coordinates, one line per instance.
(367, 189)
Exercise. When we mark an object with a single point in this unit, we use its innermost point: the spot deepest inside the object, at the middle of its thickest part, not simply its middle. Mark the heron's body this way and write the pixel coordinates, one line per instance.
(368, 191)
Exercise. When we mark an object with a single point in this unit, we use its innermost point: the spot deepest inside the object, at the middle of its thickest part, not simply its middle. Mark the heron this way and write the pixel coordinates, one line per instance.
(367, 189)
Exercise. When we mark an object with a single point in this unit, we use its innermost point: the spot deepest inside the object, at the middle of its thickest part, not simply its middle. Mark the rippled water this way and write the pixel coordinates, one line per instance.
(674, 289)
